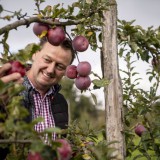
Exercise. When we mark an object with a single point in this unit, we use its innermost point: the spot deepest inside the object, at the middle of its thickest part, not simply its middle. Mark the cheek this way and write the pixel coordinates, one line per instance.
(39, 64)
(60, 74)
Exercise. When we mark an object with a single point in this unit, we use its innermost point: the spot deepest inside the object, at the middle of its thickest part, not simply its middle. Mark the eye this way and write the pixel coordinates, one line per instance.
(46, 60)
(60, 67)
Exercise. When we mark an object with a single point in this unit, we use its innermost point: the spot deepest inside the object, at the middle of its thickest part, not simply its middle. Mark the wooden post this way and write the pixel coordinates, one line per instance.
(113, 92)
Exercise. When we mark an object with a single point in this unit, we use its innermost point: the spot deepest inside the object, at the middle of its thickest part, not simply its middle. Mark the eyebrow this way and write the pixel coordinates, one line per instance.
(47, 56)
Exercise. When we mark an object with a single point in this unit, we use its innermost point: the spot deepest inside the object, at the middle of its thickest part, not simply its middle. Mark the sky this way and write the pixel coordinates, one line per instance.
(145, 12)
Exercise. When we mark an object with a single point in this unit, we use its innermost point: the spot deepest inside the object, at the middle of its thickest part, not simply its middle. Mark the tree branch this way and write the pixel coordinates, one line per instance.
(30, 20)
(6, 141)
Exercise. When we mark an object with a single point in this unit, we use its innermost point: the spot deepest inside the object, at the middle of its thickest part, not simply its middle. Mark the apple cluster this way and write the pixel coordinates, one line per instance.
(56, 36)
(81, 74)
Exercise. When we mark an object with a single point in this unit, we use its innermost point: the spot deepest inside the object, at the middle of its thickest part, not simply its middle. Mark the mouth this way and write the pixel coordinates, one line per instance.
(48, 75)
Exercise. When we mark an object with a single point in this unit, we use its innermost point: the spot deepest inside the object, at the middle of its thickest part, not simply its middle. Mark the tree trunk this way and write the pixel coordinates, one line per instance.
(113, 92)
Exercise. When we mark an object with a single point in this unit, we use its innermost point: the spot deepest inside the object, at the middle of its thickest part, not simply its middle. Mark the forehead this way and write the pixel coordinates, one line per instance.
(58, 52)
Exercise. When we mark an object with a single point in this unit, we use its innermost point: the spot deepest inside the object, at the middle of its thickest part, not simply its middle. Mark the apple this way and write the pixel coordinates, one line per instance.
(140, 129)
(84, 68)
(38, 28)
(56, 36)
(65, 150)
(71, 71)
(16, 66)
(83, 83)
(80, 43)
(34, 156)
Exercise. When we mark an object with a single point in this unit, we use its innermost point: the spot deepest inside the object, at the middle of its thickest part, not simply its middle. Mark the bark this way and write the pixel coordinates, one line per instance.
(113, 92)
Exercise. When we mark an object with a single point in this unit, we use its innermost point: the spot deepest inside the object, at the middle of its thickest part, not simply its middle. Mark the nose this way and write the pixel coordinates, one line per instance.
(51, 67)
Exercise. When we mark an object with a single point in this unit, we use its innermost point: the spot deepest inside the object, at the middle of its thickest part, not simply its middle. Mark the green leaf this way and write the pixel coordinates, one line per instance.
(150, 78)
(100, 83)
(134, 73)
(37, 120)
(1, 8)
(86, 157)
(94, 98)
(134, 46)
(75, 4)
(52, 130)
(43, 34)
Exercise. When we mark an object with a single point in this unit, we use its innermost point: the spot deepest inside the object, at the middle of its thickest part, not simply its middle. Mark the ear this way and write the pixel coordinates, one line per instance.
(34, 56)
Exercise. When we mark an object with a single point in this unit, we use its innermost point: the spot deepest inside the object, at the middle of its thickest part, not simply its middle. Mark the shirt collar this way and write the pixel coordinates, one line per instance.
(54, 89)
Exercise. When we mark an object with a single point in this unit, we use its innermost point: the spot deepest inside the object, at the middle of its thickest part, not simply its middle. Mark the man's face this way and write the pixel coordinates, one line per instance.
(49, 66)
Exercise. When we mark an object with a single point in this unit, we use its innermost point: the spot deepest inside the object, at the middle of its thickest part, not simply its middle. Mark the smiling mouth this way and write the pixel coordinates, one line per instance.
(48, 75)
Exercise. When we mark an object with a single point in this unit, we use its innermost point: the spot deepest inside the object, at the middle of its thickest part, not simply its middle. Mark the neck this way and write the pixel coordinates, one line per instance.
(41, 93)
(42, 90)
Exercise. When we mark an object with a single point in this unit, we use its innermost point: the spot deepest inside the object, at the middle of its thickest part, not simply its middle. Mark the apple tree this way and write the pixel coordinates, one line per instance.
(140, 105)
(128, 107)
(52, 23)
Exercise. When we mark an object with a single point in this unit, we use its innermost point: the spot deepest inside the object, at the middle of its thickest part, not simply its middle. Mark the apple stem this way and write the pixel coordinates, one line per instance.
(77, 56)
(96, 75)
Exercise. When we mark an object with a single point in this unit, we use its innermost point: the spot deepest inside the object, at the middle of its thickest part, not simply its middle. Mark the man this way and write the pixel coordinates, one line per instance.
(41, 96)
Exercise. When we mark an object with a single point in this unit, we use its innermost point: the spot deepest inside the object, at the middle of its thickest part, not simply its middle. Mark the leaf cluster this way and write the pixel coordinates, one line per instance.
(144, 43)
(141, 107)
(87, 144)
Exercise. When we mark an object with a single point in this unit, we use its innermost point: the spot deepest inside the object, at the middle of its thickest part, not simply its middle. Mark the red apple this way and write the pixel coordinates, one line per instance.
(71, 71)
(140, 129)
(84, 68)
(65, 150)
(16, 66)
(38, 28)
(83, 83)
(56, 36)
(80, 43)
(34, 156)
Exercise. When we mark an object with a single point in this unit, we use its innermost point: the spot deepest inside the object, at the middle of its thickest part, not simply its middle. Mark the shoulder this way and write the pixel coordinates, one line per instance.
(59, 99)
(59, 104)
(60, 111)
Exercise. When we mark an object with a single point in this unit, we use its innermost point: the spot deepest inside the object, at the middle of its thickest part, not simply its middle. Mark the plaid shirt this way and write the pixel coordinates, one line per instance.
(43, 109)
